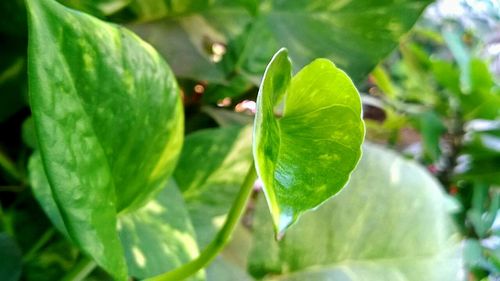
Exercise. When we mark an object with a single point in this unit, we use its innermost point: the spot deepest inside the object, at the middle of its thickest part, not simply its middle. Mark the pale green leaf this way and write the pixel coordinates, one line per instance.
(390, 223)
(159, 237)
(319, 133)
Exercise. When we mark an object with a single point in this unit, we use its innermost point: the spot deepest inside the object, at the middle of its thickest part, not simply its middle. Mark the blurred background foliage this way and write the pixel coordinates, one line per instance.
(435, 99)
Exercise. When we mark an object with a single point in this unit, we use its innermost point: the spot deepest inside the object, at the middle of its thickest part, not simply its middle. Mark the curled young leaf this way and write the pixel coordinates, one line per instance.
(306, 153)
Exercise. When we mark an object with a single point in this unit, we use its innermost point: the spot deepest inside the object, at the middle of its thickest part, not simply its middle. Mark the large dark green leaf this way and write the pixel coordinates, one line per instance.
(305, 154)
(211, 169)
(108, 120)
(43, 193)
(10, 255)
(390, 223)
(354, 34)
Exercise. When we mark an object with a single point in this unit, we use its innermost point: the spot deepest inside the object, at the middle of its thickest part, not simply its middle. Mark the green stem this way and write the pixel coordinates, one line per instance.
(222, 238)
(39, 244)
(9, 168)
(83, 268)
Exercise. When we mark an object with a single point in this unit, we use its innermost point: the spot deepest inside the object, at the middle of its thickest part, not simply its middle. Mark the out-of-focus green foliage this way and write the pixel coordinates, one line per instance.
(455, 113)
(354, 236)
(211, 169)
(434, 98)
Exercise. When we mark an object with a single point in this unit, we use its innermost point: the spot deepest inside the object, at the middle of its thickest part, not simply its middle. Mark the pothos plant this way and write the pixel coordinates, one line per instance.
(110, 131)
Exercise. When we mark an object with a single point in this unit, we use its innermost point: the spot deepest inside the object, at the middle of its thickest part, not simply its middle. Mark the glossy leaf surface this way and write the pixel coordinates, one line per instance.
(159, 237)
(43, 193)
(319, 133)
(98, 8)
(211, 169)
(155, 238)
(108, 120)
(390, 223)
(354, 34)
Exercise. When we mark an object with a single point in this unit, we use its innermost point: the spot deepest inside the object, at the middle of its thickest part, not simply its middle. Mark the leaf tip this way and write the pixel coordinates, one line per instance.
(284, 221)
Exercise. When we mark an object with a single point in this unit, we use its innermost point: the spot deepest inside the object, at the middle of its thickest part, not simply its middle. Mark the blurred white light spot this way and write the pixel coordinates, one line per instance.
(491, 142)
(246, 105)
(155, 207)
(199, 89)
(224, 102)
(218, 51)
(394, 172)
(482, 125)
(139, 257)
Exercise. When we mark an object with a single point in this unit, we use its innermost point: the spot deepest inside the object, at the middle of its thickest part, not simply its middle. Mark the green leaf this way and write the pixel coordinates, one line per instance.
(108, 120)
(98, 8)
(10, 255)
(223, 270)
(480, 101)
(43, 193)
(211, 169)
(390, 223)
(231, 263)
(431, 128)
(354, 34)
(159, 237)
(447, 75)
(54, 261)
(319, 133)
(188, 42)
(154, 9)
(156, 238)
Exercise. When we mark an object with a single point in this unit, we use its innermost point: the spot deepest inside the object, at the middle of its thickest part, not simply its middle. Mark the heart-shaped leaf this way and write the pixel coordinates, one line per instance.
(305, 154)
(108, 119)
(159, 236)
